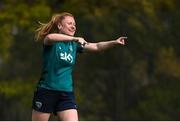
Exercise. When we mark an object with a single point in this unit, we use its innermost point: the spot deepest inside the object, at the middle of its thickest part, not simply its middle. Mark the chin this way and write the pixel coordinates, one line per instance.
(71, 34)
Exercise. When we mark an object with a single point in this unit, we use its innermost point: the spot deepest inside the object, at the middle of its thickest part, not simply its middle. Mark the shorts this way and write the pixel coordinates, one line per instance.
(51, 101)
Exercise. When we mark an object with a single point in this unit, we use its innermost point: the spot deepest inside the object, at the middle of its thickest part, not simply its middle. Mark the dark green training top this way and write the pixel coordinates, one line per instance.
(58, 61)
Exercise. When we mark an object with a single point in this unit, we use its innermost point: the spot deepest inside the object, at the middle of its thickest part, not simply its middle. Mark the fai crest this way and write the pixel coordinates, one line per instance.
(38, 104)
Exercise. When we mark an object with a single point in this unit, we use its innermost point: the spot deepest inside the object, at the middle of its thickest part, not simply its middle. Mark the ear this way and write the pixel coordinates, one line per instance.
(59, 26)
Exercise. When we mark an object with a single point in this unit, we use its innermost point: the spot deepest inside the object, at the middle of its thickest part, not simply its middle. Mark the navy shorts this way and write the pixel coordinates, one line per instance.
(50, 101)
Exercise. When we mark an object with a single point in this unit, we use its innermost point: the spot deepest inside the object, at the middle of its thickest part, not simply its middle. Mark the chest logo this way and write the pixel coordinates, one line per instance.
(66, 57)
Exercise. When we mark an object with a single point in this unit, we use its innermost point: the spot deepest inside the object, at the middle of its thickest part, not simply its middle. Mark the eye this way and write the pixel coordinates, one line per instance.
(71, 23)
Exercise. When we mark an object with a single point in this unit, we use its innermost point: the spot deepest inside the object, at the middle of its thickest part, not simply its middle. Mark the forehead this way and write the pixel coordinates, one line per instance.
(68, 19)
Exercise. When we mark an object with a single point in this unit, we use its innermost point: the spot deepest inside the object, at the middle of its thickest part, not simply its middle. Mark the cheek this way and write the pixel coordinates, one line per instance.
(64, 30)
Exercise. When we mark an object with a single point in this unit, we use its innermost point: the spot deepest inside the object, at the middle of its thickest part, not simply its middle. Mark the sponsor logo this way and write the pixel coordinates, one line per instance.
(66, 57)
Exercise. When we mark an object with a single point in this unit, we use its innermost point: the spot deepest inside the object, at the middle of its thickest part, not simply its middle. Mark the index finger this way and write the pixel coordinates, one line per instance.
(124, 37)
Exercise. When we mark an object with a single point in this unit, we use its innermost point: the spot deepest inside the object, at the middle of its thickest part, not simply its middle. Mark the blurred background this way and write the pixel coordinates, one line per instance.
(138, 81)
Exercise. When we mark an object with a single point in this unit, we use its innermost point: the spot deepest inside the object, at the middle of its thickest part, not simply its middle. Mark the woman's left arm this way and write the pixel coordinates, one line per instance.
(94, 47)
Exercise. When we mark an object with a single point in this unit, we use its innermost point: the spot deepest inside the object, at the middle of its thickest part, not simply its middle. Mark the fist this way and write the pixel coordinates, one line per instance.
(121, 40)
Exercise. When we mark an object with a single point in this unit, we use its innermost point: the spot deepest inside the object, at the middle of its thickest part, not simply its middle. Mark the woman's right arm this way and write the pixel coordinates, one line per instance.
(50, 38)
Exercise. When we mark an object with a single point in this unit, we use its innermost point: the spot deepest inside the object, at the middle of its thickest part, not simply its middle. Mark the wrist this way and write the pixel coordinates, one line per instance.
(115, 42)
(75, 39)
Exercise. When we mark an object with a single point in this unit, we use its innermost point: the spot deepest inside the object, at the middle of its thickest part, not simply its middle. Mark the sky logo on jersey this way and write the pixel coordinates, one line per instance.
(66, 57)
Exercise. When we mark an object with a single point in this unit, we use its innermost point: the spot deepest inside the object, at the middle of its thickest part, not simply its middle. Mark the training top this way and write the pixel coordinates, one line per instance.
(58, 61)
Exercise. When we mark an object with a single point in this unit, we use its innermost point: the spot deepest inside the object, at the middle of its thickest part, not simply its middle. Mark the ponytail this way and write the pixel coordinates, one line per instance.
(50, 27)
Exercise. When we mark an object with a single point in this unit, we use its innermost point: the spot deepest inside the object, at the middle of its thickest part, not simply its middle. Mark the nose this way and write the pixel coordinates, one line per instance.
(73, 27)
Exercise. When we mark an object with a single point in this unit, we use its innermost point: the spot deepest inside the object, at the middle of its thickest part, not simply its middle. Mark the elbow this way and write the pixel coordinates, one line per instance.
(98, 48)
(48, 37)
(92, 47)
(95, 48)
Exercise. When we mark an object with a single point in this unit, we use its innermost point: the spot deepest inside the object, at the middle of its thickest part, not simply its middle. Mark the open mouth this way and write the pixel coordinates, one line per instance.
(72, 30)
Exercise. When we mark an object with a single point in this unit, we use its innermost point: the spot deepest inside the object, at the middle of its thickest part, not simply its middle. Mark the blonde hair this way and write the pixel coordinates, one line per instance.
(51, 26)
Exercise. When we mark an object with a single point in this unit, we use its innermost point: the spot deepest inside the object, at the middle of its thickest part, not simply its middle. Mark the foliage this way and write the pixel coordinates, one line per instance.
(136, 82)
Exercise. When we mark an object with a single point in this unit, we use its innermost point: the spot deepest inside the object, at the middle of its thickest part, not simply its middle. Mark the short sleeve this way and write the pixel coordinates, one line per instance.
(79, 48)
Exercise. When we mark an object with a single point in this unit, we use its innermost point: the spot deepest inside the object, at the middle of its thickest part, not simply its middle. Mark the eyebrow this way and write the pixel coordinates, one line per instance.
(72, 22)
